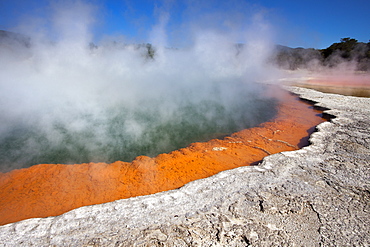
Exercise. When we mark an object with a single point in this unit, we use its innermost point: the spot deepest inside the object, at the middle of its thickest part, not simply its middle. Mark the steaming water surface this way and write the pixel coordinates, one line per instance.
(126, 133)
(71, 103)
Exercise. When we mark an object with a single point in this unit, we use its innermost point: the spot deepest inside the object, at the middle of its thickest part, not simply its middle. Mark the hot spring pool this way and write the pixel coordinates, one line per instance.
(122, 133)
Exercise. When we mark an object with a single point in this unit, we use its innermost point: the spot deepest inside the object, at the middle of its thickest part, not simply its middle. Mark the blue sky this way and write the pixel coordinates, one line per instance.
(297, 23)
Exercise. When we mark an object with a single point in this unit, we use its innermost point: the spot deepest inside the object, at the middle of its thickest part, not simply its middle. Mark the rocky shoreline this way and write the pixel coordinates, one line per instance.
(315, 196)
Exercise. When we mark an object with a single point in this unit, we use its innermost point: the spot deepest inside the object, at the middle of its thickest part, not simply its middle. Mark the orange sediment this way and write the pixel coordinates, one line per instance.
(52, 189)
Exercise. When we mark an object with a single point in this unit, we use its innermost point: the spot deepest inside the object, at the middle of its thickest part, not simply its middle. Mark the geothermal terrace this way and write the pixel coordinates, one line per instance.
(315, 196)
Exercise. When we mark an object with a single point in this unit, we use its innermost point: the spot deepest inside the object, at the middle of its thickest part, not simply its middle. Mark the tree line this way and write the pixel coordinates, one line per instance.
(348, 50)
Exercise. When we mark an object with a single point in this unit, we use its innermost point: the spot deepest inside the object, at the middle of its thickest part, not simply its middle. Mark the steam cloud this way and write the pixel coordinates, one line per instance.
(65, 101)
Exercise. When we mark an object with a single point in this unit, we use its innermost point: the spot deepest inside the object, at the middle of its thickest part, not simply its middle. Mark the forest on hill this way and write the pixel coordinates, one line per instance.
(348, 51)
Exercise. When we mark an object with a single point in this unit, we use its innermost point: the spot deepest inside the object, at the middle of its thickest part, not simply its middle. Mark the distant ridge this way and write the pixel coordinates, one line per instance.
(11, 38)
(348, 50)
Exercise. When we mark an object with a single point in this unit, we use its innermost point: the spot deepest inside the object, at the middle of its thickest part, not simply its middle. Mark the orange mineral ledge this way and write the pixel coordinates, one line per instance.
(53, 189)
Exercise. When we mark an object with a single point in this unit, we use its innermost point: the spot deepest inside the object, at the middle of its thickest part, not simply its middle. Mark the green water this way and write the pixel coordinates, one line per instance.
(122, 133)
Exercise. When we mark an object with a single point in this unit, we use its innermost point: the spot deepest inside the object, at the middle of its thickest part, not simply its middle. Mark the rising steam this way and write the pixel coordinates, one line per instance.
(64, 99)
